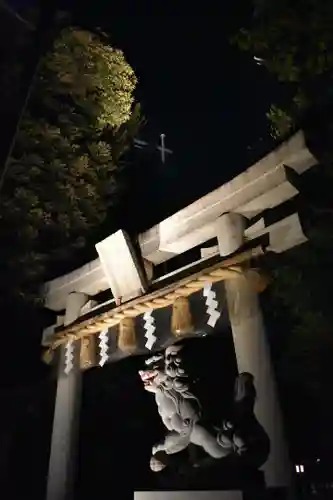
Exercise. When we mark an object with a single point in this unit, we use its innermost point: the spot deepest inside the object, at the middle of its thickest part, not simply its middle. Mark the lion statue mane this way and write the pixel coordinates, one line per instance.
(184, 414)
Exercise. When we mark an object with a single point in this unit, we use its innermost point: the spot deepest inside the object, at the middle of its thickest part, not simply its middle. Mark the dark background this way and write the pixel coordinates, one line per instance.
(208, 98)
(120, 423)
(210, 101)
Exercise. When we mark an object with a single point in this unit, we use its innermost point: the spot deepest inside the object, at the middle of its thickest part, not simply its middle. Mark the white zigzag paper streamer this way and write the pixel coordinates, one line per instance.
(69, 357)
(103, 347)
(150, 327)
(212, 304)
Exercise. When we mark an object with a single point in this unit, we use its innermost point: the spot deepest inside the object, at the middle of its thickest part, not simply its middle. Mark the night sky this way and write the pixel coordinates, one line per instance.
(210, 101)
(208, 98)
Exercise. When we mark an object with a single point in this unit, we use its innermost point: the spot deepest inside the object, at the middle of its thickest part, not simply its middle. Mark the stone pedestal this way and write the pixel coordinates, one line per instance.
(253, 356)
(188, 495)
(67, 405)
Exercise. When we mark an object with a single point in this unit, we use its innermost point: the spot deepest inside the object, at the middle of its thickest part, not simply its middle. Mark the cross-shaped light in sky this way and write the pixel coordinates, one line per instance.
(163, 149)
(142, 144)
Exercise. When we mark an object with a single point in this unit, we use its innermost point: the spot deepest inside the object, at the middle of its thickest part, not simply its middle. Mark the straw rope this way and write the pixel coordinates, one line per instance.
(226, 269)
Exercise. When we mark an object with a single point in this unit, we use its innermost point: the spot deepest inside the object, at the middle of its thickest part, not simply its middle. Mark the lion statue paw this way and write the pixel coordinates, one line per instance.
(156, 465)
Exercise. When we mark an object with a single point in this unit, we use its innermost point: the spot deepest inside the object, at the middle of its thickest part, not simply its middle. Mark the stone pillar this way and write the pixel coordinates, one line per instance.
(230, 233)
(66, 412)
(253, 356)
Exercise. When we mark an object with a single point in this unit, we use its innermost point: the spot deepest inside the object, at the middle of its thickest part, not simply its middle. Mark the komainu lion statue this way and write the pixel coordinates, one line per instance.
(239, 436)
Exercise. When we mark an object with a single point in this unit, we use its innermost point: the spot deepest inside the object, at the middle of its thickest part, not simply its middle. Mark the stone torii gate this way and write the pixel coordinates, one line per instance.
(224, 214)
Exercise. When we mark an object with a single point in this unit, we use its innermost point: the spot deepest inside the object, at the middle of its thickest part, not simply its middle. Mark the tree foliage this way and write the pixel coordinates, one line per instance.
(293, 40)
(62, 175)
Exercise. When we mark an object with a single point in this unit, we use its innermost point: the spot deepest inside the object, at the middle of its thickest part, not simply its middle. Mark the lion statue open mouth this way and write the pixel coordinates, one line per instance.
(148, 377)
(182, 414)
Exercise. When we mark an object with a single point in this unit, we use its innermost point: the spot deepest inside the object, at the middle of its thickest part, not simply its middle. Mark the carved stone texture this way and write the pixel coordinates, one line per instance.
(185, 416)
